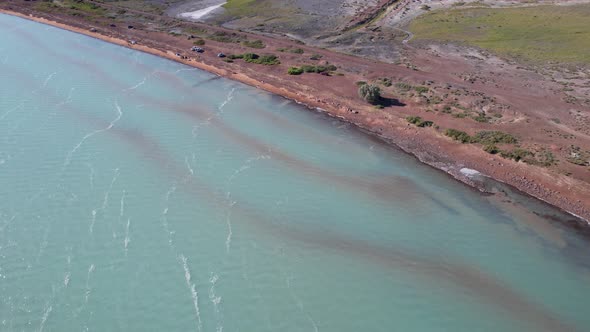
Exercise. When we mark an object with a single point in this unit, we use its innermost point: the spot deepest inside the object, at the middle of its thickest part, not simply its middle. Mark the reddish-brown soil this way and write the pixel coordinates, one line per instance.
(533, 108)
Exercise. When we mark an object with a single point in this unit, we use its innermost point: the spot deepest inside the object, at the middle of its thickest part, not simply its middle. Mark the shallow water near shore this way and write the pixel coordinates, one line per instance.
(140, 194)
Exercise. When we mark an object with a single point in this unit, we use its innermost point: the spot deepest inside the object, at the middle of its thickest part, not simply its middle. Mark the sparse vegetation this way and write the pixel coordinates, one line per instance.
(315, 57)
(291, 50)
(578, 157)
(199, 42)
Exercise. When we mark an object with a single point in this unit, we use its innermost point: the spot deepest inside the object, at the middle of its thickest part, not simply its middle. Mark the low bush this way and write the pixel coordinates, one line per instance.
(295, 71)
(421, 89)
(494, 137)
(385, 81)
(517, 154)
(318, 69)
(268, 59)
(419, 122)
(254, 43)
(199, 42)
(403, 86)
(459, 135)
(315, 57)
(491, 149)
(481, 117)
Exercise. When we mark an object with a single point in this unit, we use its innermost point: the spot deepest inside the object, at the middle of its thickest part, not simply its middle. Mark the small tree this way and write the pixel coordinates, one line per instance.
(370, 93)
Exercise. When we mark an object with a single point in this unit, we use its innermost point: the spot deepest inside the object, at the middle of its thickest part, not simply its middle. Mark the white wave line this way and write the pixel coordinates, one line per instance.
(142, 82)
(122, 209)
(165, 215)
(87, 291)
(48, 79)
(92, 222)
(300, 305)
(127, 239)
(44, 318)
(67, 279)
(247, 164)
(105, 201)
(192, 288)
(216, 300)
(68, 98)
(87, 136)
(188, 165)
(229, 227)
(68, 273)
(229, 98)
(220, 109)
(185, 69)
(11, 110)
(91, 175)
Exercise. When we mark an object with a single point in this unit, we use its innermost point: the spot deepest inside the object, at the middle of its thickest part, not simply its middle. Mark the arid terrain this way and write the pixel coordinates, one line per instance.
(516, 112)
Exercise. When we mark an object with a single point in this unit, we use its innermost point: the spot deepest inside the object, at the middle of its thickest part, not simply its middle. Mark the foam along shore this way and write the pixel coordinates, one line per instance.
(198, 14)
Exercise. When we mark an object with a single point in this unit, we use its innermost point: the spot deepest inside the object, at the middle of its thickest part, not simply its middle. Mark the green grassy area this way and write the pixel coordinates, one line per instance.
(73, 7)
(538, 34)
(241, 8)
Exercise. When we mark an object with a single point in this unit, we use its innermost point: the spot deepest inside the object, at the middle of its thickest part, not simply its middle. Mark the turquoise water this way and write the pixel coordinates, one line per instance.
(138, 194)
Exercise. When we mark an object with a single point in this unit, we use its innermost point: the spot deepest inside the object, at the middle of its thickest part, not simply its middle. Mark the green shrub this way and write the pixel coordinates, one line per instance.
(297, 50)
(254, 44)
(494, 137)
(403, 86)
(248, 57)
(199, 42)
(491, 149)
(267, 60)
(318, 69)
(385, 81)
(370, 93)
(416, 120)
(421, 89)
(359, 83)
(517, 154)
(308, 68)
(459, 135)
(315, 57)
(295, 71)
(481, 117)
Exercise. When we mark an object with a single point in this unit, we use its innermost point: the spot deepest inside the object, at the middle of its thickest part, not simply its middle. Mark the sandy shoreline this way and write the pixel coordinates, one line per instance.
(425, 151)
